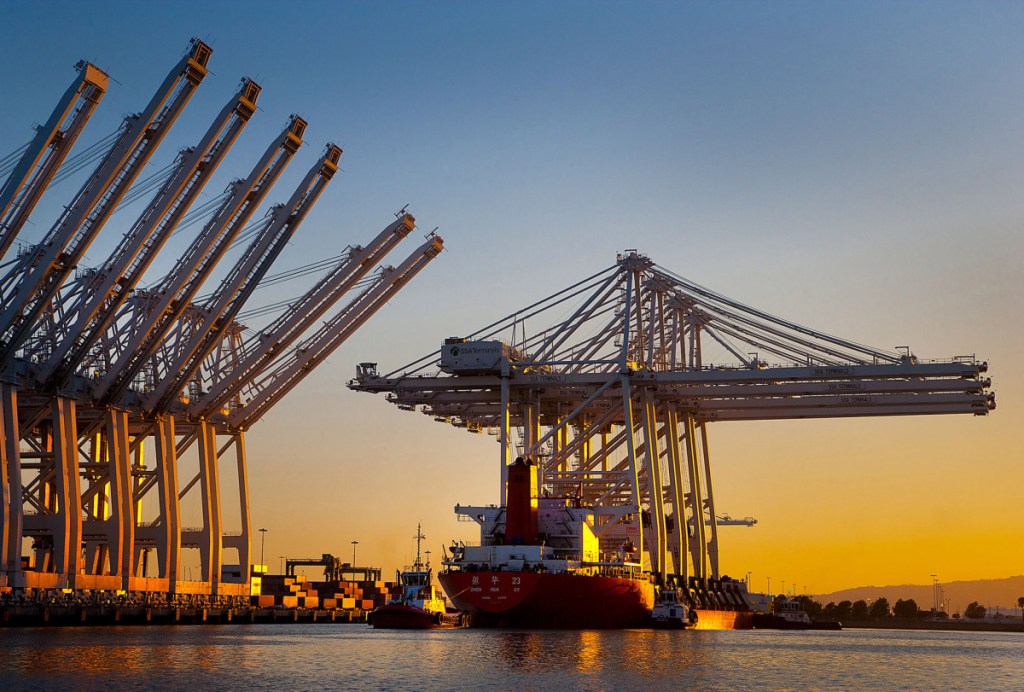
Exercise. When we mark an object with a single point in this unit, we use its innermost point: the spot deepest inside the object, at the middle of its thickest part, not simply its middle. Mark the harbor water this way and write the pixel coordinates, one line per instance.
(332, 656)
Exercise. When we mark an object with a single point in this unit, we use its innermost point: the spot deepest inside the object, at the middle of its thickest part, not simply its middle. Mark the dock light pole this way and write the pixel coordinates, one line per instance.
(354, 544)
(282, 558)
(769, 587)
(263, 542)
(935, 592)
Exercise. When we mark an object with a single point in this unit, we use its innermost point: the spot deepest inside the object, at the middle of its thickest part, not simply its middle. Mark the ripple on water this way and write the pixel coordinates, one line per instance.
(332, 656)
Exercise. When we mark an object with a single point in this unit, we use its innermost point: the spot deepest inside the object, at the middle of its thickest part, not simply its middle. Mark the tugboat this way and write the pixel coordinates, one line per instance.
(419, 607)
(671, 612)
(789, 614)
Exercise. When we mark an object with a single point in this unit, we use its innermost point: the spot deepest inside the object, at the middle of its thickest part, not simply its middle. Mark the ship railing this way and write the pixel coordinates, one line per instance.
(629, 570)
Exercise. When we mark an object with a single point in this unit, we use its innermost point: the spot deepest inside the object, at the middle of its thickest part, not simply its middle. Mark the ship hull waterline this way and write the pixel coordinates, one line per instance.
(528, 600)
(398, 616)
(549, 600)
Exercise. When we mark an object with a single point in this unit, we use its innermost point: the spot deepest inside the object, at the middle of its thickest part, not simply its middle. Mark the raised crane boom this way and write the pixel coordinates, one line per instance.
(144, 333)
(110, 285)
(306, 356)
(301, 315)
(47, 151)
(43, 271)
(226, 302)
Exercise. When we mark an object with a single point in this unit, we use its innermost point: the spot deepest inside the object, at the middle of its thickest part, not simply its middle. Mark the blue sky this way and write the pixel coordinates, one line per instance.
(851, 166)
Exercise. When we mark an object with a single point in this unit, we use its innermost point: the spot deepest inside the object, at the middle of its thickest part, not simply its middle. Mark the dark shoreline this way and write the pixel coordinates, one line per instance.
(91, 615)
(938, 625)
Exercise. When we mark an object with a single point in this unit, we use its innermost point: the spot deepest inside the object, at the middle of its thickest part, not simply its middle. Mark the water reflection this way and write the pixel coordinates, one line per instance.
(357, 657)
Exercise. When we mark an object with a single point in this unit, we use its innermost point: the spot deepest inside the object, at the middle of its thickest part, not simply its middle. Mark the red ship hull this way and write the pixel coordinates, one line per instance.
(723, 620)
(402, 617)
(398, 616)
(550, 600)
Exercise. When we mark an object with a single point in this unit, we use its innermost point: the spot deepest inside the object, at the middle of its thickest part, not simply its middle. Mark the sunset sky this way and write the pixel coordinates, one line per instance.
(854, 167)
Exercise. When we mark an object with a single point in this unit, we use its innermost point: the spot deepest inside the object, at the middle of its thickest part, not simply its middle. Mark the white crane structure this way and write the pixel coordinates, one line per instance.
(32, 173)
(611, 386)
(109, 391)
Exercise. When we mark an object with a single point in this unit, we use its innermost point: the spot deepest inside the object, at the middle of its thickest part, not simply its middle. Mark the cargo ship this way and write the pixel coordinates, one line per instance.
(539, 564)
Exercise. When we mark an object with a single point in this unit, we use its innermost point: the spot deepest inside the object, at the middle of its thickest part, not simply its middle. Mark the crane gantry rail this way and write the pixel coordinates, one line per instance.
(610, 385)
(95, 371)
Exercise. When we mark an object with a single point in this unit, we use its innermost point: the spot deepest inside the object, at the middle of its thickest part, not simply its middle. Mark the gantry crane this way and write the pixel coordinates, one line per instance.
(99, 294)
(47, 151)
(94, 369)
(614, 397)
(143, 325)
(219, 311)
(278, 381)
(225, 382)
(33, 282)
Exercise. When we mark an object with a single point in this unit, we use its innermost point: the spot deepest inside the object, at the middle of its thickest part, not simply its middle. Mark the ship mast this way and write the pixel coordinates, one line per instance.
(419, 539)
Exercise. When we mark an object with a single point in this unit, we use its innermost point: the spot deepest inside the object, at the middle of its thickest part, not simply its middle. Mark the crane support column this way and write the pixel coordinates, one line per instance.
(652, 467)
(242, 542)
(168, 532)
(211, 542)
(676, 492)
(531, 439)
(10, 478)
(709, 503)
(698, 535)
(120, 525)
(504, 439)
(634, 475)
(66, 524)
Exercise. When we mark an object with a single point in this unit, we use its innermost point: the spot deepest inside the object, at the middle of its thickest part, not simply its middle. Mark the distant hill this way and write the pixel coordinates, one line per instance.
(991, 593)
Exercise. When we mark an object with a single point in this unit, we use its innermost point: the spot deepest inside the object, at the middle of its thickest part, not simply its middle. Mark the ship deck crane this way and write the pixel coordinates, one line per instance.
(47, 151)
(143, 327)
(31, 285)
(615, 395)
(102, 292)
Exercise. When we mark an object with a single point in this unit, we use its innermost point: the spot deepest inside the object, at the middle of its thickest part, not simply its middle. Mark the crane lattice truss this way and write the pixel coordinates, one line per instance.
(95, 370)
(611, 384)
